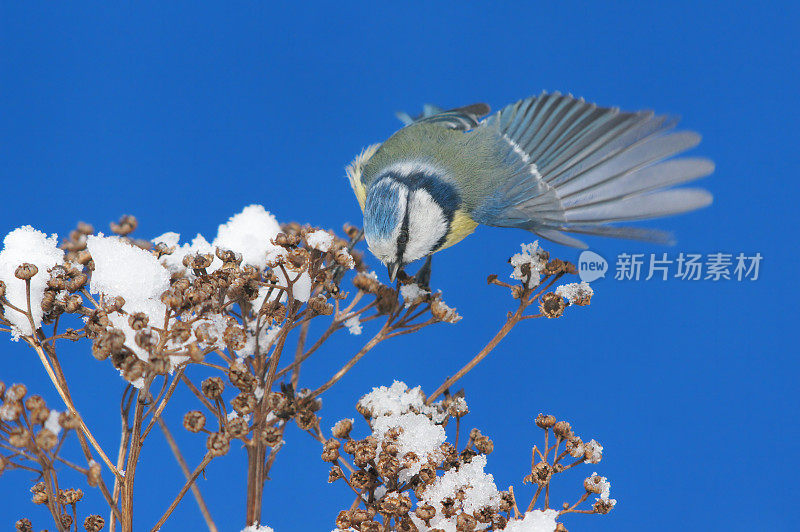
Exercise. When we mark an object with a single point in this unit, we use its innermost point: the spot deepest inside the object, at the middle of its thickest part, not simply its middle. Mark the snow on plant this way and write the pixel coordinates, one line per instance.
(216, 318)
(407, 477)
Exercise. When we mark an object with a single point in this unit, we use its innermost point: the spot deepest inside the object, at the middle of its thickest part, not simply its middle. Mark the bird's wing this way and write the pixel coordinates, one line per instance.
(462, 118)
(579, 167)
(355, 173)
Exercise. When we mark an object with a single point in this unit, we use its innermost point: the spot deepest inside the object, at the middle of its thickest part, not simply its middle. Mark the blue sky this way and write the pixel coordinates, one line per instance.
(183, 113)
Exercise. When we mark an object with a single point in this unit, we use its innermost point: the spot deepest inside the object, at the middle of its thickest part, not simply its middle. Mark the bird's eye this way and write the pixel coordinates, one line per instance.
(403, 238)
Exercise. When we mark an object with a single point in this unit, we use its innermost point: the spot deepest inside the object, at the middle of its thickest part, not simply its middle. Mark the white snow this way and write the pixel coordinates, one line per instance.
(419, 435)
(574, 291)
(478, 487)
(535, 521)
(255, 527)
(398, 399)
(170, 239)
(127, 271)
(199, 244)
(320, 240)
(353, 325)
(301, 289)
(594, 452)
(250, 233)
(535, 257)
(605, 486)
(26, 244)
(265, 337)
(412, 293)
(51, 423)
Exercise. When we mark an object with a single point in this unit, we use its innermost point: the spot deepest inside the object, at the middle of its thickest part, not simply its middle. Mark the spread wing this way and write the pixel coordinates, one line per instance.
(582, 167)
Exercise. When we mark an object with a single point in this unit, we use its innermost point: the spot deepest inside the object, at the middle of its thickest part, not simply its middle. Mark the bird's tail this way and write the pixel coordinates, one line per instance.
(580, 167)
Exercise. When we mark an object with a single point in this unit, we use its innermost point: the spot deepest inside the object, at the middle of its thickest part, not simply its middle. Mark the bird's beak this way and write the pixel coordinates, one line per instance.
(393, 267)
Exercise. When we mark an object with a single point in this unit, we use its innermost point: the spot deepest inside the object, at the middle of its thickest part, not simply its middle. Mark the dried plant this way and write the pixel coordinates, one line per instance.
(167, 315)
(407, 477)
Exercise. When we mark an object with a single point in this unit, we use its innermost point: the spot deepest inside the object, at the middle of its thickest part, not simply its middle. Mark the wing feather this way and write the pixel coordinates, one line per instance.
(587, 166)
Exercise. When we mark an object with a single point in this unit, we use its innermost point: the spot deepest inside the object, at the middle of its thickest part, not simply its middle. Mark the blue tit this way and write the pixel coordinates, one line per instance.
(551, 164)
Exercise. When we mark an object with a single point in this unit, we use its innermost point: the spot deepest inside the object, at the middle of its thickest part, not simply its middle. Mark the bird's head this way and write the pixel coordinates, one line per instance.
(407, 215)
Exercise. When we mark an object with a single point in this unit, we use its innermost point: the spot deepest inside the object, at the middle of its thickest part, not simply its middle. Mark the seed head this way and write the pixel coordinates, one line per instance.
(194, 421)
(466, 523)
(575, 447)
(541, 474)
(244, 403)
(46, 440)
(342, 428)
(335, 474)
(319, 305)
(426, 512)
(545, 421)
(306, 419)
(218, 444)
(603, 506)
(73, 303)
(593, 484)
(23, 525)
(484, 445)
(271, 436)
(35, 402)
(343, 520)
(370, 526)
(126, 225)
(68, 421)
(563, 430)
(235, 337)
(76, 281)
(138, 321)
(237, 427)
(94, 523)
(26, 271)
(593, 452)
(552, 305)
(213, 387)
(241, 377)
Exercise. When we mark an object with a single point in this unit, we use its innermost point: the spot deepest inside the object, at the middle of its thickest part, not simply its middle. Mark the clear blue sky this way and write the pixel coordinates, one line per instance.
(182, 113)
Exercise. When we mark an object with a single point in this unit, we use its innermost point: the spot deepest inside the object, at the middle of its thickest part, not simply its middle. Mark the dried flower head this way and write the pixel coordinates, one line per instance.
(218, 444)
(213, 387)
(552, 305)
(26, 271)
(194, 421)
(545, 421)
(94, 523)
(24, 525)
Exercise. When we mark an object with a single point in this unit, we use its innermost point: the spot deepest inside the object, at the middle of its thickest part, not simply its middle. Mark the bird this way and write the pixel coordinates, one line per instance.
(552, 164)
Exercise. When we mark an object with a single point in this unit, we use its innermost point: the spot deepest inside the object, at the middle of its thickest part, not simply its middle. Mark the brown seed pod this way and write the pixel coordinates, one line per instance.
(26, 271)
(552, 305)
(218, 444)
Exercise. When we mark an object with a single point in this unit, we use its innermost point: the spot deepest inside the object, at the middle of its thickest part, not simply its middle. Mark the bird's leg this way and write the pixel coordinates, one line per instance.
(423, 276)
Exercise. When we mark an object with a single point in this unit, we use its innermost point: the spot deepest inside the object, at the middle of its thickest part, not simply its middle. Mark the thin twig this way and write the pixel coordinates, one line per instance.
(199, 469)
(201, 503)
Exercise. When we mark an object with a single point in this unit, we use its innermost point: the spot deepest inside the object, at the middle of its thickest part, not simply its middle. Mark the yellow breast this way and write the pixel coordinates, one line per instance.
(461, 227)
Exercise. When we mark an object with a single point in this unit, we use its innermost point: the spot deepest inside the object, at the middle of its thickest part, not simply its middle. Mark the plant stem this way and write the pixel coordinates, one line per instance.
(201, 503)
(206, 459)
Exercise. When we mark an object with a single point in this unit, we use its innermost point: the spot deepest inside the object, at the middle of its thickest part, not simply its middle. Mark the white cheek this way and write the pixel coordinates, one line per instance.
(427, 225)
